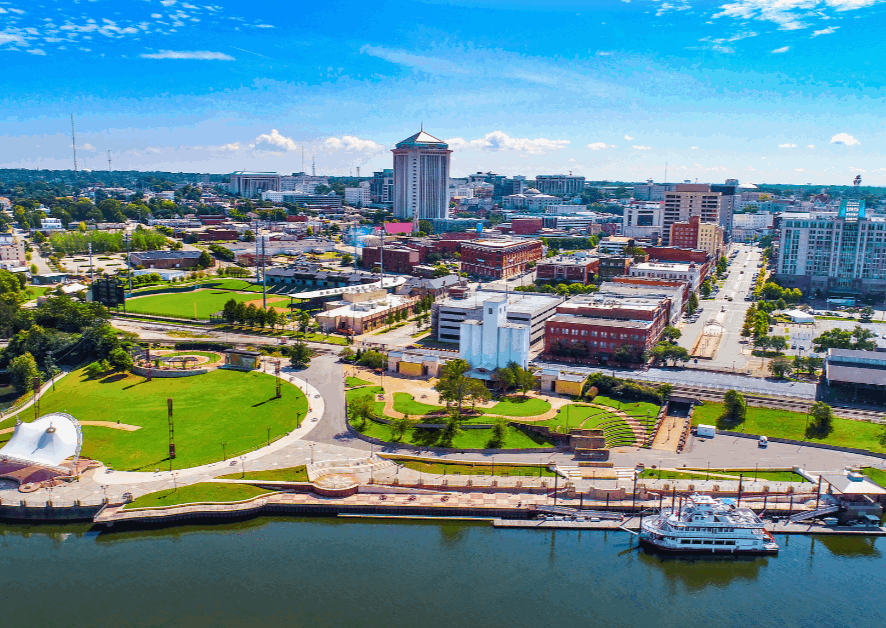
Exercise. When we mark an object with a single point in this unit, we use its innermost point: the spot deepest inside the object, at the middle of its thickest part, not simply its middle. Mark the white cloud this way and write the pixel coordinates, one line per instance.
(264, 25)
(274, 141)
(37, 51)
(810, 146)
(693, 147)
(628, 138)
(845, 139)
(857, 170)
(87, 146)
(789, 14)
(202, 55)
(787, 146)
(642, 147)
(825, 31)
(156, 16)
(605, 53)
(351, 143)
(501, 141)
(600, 145)
(167, 3)
(799, 170)
(431, 65)
(6, 38)
(778, 51)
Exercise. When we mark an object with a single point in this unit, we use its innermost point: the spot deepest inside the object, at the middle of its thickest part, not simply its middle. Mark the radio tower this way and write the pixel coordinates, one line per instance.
(313, 166)
(358, 172)
(74, 145)
(109, 161)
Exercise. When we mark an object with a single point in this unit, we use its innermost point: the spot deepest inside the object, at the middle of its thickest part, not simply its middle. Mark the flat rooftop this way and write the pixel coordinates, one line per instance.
(498, 244)
(676, 266)
(517, 302)
(600, 322)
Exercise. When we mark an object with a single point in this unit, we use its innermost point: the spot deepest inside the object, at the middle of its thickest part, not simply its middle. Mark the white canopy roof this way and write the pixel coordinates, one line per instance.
(48, 441)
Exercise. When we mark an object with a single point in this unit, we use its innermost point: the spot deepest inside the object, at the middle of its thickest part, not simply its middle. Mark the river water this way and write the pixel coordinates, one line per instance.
(341, 573)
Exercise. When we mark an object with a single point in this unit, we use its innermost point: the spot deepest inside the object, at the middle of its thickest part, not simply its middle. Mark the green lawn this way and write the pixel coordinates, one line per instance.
(378, 407)
(519, 406)
(234, 284)
(785, 424)
(469, 439)
(220, 406)
(406, 403)
(632, 408)
(761, 474)
(356, 381)
(202, 492)
(181, 304)
(39, 291)
(877, 475)
(444, 468)
(290, 474)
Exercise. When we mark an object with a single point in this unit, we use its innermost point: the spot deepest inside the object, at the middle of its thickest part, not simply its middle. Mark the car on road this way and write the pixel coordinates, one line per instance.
(802, 347)
(793, 346)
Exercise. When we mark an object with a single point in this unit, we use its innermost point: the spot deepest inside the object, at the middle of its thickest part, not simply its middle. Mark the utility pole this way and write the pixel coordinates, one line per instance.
(127, 238)
(171, 433)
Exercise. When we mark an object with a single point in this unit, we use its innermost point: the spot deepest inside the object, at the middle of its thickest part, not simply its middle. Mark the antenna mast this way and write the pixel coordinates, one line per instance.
(313, 166)
(109, 161)
(74, 144)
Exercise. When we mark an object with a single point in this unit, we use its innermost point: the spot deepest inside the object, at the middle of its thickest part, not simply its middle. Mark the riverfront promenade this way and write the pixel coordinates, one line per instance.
(323, 436)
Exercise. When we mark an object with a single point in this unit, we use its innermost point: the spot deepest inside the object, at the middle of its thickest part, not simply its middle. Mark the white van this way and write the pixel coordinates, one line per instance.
(705, 431)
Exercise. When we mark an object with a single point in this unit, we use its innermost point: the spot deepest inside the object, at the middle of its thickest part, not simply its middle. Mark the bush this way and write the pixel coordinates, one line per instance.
(94, 370)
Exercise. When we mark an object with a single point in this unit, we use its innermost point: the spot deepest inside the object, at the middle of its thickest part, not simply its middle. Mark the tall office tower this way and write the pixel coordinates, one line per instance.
(686, 201)
(421, 177)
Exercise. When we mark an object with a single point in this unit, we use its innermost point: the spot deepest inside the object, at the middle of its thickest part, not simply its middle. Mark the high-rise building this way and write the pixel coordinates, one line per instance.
(560, 184)
(250, 184)
(842, 253)
(421, 177)
(381, 186)
(686, 201)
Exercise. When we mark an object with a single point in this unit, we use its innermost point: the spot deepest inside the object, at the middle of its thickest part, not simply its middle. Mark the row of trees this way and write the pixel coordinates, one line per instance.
(77, 242)
(238, 312)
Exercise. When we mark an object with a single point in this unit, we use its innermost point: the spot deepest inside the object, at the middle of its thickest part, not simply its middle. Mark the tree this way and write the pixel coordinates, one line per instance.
(780, 366)
(524, 379)
(399, 426)
(229, 311)
(477, 392)
(271, 317)
(303, 319)
(347, 259)
(499, 433)
(120, 359)
(360, 410)
(300, 355)
(626, 354)
(671, 333)
(346, 354)
(734, 407)
(706, 288)
(778, 343)
(867, 313)
(822, 419)
(664, 392)
(22, 371)
(373, 359)
(426, 226)
(858, 338)
(692, 304)
(205, 260)
(504, 378)
(93, 370)
(453, 384)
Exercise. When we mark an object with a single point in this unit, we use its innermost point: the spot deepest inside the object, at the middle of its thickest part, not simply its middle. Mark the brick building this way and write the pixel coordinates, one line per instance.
(499, 259)
(526, 226)
(214, 235)
(397, 259)
(591, 328)
(165, 259)
(614, 266)
(695, 234)
(571, 268)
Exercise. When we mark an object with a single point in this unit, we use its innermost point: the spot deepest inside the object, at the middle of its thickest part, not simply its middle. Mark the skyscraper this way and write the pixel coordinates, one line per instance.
(421, 177)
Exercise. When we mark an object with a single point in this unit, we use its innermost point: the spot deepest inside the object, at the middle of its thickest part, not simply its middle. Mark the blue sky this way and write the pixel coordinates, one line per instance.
(762, 90)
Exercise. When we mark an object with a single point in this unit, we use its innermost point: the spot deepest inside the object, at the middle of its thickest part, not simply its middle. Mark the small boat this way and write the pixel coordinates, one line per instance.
(704, 525)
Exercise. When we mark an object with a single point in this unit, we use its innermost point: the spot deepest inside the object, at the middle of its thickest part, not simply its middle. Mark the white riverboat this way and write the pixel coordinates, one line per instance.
(704, 525)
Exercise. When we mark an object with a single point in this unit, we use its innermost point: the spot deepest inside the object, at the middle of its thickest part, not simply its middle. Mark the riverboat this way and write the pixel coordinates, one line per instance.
(704, 525)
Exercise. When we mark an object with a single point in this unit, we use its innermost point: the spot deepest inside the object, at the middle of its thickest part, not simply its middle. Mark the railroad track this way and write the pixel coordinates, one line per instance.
(782, 403)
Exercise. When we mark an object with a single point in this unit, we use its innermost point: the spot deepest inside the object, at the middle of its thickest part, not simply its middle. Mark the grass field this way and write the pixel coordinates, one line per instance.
(202, 492)
(356, 381)
(221, 406)
(406, 403)
(233, 284)
(290, 474)
(632, 408)
(513, 407)
(760, 474)
(785, 424)
(478, 469)
(469, 439)
(181, 304)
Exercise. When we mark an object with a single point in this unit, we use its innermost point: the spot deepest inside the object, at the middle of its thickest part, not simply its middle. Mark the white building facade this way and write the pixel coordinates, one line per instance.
(421, 178)
(494, 342)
